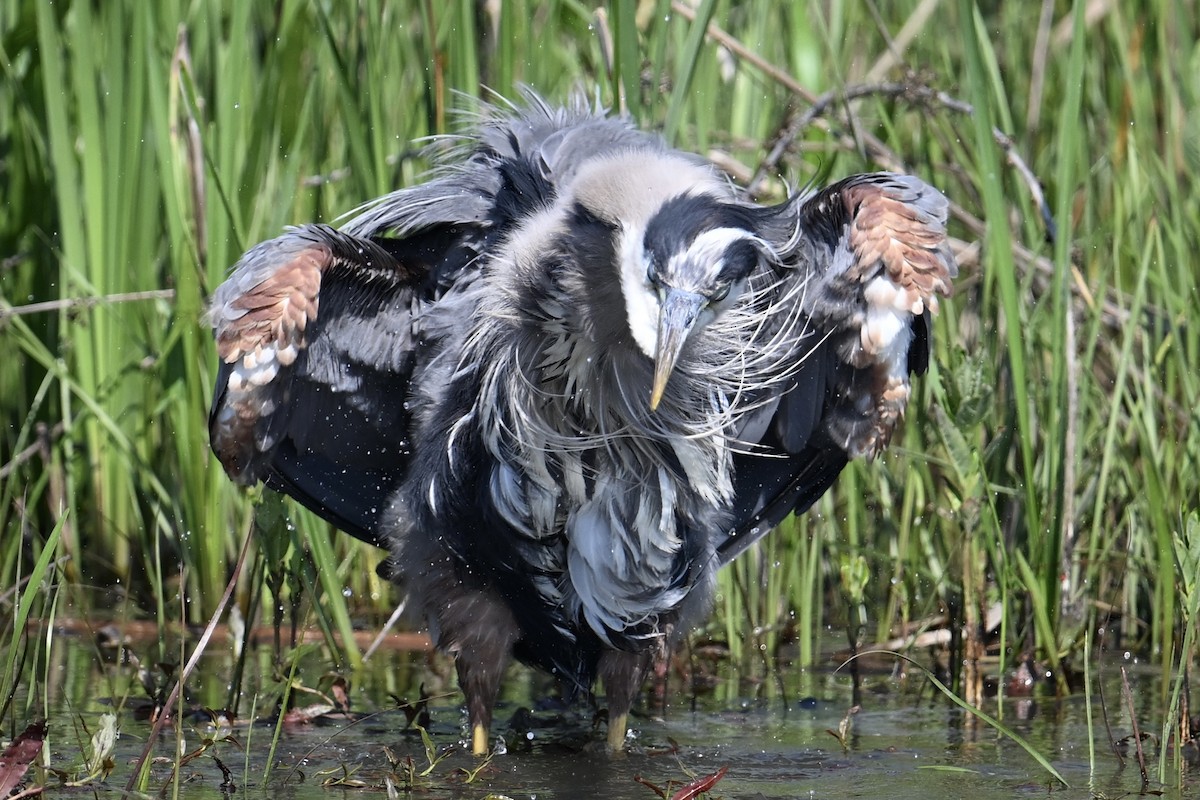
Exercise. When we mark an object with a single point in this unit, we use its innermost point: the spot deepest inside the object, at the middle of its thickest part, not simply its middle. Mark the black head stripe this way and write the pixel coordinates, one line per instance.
(681, 219)
(741, 258)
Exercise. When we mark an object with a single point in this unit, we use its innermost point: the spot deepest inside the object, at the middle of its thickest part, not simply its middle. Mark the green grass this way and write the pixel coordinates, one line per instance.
(1050, 457)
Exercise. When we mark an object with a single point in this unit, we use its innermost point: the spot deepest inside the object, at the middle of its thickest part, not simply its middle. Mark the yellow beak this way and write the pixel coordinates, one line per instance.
(676, 317)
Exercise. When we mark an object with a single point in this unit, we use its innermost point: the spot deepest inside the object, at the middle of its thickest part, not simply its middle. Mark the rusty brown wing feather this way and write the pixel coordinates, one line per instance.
(888, 262)
(261, 317)
(902, 232)
(259, 335)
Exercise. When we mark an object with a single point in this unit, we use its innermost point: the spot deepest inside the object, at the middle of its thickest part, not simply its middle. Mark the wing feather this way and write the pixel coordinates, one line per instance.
(883, 237)
(872, 252)
(315, 335)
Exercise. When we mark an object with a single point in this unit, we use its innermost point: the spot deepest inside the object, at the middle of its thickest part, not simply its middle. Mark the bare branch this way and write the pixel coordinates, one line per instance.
(70, 303)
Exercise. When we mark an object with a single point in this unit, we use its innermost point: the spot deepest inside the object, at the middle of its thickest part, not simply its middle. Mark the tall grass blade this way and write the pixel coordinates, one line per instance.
(34, 584)
(983, 716)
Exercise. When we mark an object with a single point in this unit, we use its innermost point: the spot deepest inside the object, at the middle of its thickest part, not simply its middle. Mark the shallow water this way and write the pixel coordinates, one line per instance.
(906, 741)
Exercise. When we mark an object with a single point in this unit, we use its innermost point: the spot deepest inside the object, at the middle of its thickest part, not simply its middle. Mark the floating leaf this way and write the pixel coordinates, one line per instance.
(700, 785)
(17, 757)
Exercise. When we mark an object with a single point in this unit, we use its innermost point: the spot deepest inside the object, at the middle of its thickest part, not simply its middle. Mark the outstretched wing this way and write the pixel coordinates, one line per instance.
(316, 341)
(872, 252)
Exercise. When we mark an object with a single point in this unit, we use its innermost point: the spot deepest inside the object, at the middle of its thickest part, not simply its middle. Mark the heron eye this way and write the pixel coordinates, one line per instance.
(652, 273)
(720, 293)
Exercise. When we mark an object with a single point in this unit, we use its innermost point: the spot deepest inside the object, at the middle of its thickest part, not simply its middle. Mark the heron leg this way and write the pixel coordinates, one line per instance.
(479, 678)
(474, 625)
(622, 674)
(479, 630)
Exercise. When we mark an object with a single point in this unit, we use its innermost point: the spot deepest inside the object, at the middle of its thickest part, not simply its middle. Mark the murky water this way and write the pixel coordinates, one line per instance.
(773, 737)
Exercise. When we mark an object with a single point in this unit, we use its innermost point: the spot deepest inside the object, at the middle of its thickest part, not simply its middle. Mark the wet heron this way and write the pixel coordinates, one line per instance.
(572, 375)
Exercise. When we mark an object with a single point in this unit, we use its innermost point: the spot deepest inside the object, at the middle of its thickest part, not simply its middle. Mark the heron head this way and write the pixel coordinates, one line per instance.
(691, 264)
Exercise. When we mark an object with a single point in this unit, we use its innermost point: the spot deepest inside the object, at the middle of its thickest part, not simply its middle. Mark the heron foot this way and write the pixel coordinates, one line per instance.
(617, 726)
(479, 740)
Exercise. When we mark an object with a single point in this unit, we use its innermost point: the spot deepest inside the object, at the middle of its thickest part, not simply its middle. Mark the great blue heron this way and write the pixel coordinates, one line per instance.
(572, 375)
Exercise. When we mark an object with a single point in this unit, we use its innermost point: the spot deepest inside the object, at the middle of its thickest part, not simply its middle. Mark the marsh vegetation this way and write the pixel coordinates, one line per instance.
(1038, 516)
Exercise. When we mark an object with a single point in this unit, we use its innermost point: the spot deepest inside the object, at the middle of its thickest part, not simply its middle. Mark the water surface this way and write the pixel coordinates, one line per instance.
(772, 735)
